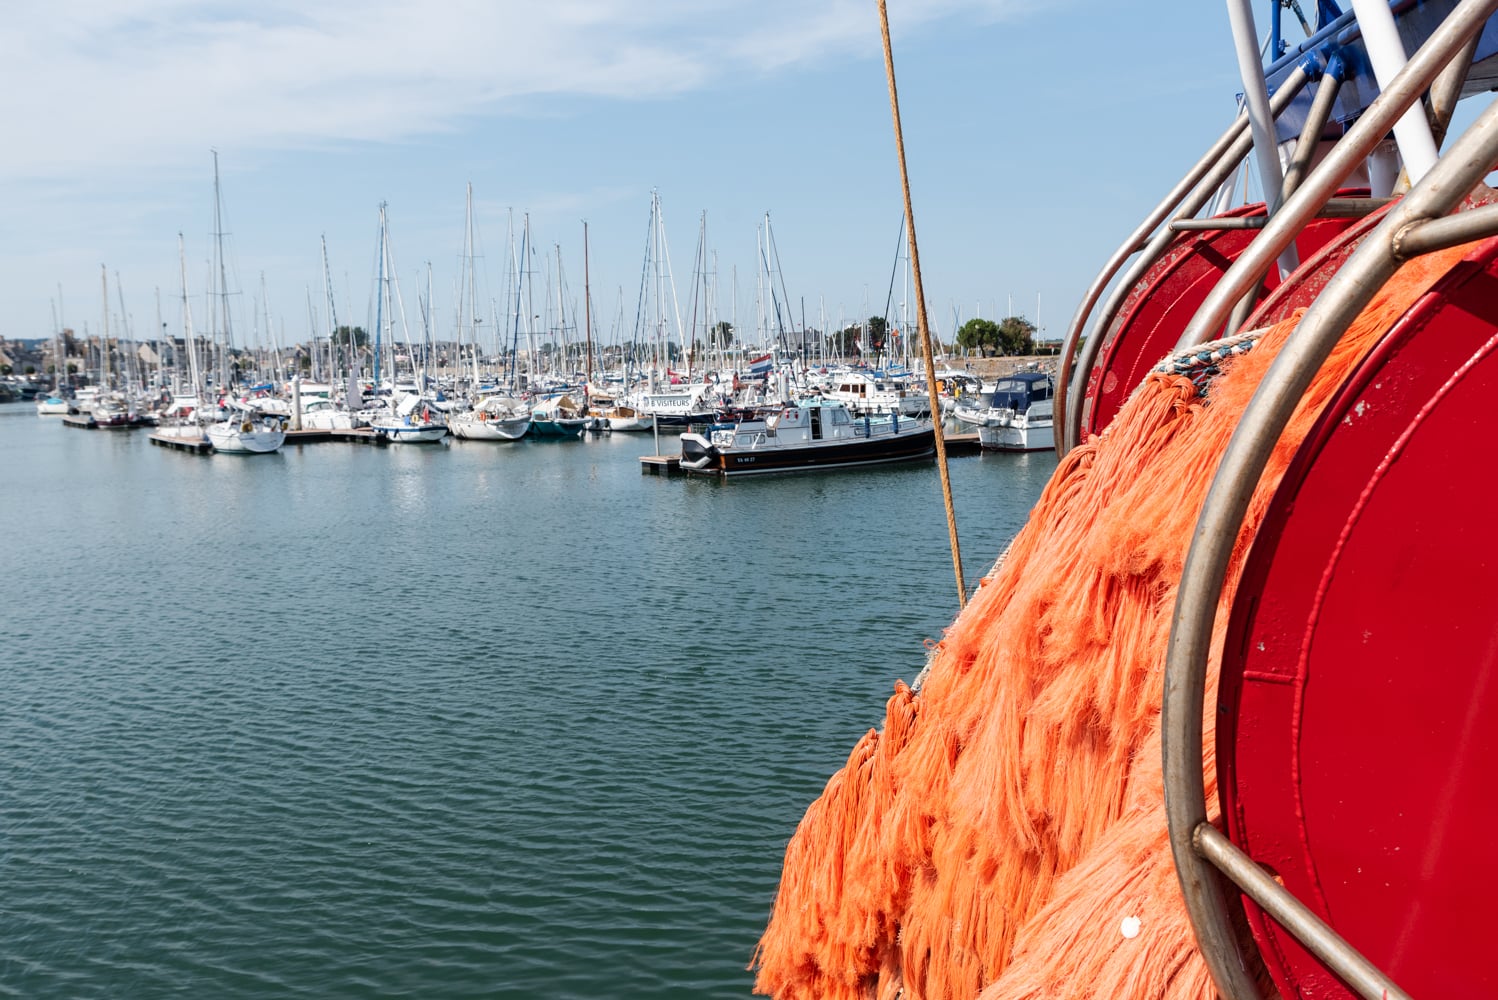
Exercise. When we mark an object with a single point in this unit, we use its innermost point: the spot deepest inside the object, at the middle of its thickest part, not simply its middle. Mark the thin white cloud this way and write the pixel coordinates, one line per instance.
(92, 85)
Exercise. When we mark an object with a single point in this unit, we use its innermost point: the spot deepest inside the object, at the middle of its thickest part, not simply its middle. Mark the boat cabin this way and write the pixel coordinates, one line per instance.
(1020, 391)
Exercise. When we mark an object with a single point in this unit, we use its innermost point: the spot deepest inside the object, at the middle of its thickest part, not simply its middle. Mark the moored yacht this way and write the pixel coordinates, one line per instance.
(815, 434)
(1019, 414)
(246, 431)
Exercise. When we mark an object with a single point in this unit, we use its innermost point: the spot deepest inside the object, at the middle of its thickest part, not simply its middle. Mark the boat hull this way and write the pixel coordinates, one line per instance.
(234, 441)
(1013, 437)
(490, 430)
(700, 457)
(560, 429)
(640, 422)
(410, 434)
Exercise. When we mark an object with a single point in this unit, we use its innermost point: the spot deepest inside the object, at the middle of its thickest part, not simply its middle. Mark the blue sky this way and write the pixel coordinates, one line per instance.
(1038, 133)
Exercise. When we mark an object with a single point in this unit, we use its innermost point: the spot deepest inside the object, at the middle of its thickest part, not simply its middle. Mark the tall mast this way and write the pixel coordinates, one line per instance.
(188, 341)
(327, 287)
(561, 313)
(104, 342)
(379, 299)
(587, 313)
(473, 305)
(223, 282)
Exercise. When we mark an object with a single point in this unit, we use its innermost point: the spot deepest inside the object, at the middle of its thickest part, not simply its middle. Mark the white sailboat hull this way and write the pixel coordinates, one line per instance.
(231, 438)
(510, 429)
(641, 422)
(410, 433)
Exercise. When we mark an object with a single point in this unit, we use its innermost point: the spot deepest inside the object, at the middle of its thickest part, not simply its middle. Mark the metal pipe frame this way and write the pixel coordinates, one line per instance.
(1452, 230)
(1300, 165)
(1238, 474)
(1220, 151)
(1293, 915)
(1447, 89)
(1368, 132)
(1256, 98)
(1336, 208)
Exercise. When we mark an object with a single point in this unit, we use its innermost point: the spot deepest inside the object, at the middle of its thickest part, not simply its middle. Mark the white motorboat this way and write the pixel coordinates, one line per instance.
(1020, 413)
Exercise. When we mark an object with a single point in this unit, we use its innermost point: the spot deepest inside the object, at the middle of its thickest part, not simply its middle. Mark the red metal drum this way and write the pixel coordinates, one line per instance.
(1156, 311)
(1358, 703)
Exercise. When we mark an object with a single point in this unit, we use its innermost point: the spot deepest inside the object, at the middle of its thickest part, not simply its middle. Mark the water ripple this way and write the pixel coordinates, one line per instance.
(457, 722)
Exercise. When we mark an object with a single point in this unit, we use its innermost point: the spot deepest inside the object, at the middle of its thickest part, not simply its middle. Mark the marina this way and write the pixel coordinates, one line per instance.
(630, 664)
(501, 720)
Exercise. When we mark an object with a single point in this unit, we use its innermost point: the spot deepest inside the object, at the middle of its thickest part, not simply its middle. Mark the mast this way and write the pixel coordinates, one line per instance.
(379, 299)
(327, 287)
(223, 282)
(104, 373)
(188, 341)
(473, 305)
(60, 351)
(312, 329)
(561, 317)
(56, 337)
(127, 360)
(160, 329)
(587, 314)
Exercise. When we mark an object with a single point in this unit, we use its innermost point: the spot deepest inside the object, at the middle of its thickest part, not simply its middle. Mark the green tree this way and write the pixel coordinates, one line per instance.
(981, 335)
(343, 334)
(723, 333)
(878, 334)
(1017, 336)
(844, 343)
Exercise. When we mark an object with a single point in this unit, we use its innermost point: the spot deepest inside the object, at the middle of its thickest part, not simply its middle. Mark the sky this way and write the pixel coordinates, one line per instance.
(1037, 132)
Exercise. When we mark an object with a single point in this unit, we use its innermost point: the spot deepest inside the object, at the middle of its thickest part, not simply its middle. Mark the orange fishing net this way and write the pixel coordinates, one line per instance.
(997, 834)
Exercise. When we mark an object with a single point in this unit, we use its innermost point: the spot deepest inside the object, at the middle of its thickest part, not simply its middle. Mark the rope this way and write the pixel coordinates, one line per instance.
(1201, 364)
(920, 307)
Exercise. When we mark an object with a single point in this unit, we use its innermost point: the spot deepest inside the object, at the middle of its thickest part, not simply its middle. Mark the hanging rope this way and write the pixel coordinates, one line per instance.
(920, 308)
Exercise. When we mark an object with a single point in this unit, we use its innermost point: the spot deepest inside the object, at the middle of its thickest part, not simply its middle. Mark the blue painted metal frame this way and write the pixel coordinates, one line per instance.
(1339, 38)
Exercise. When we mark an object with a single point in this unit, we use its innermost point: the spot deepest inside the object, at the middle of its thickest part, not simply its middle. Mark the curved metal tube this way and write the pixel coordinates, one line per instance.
(1323, 182)
(1238, 475)
(1139, 238)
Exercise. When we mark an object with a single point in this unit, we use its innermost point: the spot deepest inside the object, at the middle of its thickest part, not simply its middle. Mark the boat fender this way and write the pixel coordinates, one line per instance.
(246, 427)
(483, 416)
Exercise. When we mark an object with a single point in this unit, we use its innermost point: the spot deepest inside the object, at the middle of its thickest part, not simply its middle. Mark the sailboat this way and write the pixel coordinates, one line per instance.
(498, 415)
(559, 416)
(53, 404)
(247, 431)
(242, 429)
(412, 419)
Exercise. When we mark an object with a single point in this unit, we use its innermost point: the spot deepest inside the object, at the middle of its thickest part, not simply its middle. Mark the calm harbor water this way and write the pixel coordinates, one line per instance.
(468, 720)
